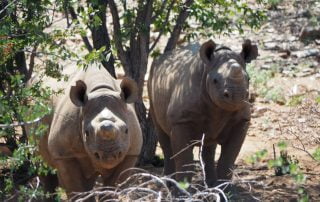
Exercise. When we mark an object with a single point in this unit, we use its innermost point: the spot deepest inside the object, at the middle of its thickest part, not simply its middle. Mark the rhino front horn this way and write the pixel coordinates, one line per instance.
(236, 71)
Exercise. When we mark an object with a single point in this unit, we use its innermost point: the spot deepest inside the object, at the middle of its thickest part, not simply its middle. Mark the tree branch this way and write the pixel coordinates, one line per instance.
(20, 60)
(153, 18)
(31, 63)
(84, 38)
(6, 6)
(124, 3)
(100, 35)
(18, 124)
(162, 30)
(182, 17)
(117, 36)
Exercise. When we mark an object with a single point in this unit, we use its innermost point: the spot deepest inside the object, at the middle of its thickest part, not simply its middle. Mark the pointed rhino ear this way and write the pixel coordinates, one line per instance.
(129, 90)
(78, 93)
(249, 52)
(206, 51)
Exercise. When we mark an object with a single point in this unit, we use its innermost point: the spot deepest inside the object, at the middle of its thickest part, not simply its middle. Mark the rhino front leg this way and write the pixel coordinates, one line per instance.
(207, 155)
(165, 143)
(122, 171)
(230, 150)
(182, 151)
(71, 177)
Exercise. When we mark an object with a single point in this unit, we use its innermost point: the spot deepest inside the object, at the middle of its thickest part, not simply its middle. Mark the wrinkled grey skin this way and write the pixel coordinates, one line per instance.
(203, 91)
(93, 130)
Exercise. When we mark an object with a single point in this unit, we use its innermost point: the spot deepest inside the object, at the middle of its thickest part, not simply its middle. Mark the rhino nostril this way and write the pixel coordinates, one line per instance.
(126, 131)
(119, 154)
(96, 154)
(226, 94)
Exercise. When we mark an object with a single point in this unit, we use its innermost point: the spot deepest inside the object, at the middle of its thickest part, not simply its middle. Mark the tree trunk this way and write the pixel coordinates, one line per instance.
(100, 35)
(182, 17)
(139, 53)
(149, 137)
(135, 62)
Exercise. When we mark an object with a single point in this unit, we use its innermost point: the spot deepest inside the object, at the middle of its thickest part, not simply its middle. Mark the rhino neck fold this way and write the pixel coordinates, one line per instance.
(204, 96)
(97, 79)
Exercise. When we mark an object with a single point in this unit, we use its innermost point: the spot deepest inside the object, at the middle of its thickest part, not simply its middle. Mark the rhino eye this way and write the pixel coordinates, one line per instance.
(215, 81)
(86, 133)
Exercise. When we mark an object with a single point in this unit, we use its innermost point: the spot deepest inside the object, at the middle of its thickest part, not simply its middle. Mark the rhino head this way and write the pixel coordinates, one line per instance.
(104, 120)
(227, 82)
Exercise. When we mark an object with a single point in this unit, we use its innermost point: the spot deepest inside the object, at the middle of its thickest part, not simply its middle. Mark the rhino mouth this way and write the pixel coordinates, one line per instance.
(108, 159)
(231, 106)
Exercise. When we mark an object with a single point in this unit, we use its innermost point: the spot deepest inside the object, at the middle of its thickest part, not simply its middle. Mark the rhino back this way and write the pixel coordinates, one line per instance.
(175, 86)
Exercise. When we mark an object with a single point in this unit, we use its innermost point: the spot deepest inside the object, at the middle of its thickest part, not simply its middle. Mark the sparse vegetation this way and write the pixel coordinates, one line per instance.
(295, 100)
(274, 3)
(259, 82)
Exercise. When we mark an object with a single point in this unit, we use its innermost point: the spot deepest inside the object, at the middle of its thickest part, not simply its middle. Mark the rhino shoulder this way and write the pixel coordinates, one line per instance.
(64, 140)
(135, 132)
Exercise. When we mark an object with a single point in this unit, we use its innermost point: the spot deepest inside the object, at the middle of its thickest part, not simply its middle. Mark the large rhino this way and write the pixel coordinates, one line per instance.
(93, 129)
(196, 91)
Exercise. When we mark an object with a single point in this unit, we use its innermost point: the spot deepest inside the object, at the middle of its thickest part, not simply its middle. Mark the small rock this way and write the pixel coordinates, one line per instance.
(259, 111)
(306, 53)
(265, 67)
(309, 33)
(292, 38)
(314, 65)
(285, 54)
(301, 120)
(287, 73)
(304, 74)
(304, 13)
(298, 90)
(271, 46)
(260, 178)
(307, 70)
(294, 47)
(269, 60)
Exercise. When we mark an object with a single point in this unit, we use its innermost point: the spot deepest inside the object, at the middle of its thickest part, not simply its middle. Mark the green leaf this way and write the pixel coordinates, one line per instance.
(282, 145)
(316, 154)
(184, 185)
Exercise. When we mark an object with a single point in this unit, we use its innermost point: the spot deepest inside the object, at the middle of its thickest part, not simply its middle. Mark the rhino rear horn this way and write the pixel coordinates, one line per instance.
(206, 51)
(249, 52)
(78, 93)
(129, 90)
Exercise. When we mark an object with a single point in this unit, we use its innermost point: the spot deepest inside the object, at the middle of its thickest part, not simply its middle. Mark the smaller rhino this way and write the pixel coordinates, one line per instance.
(196, 92)
(93, 130)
